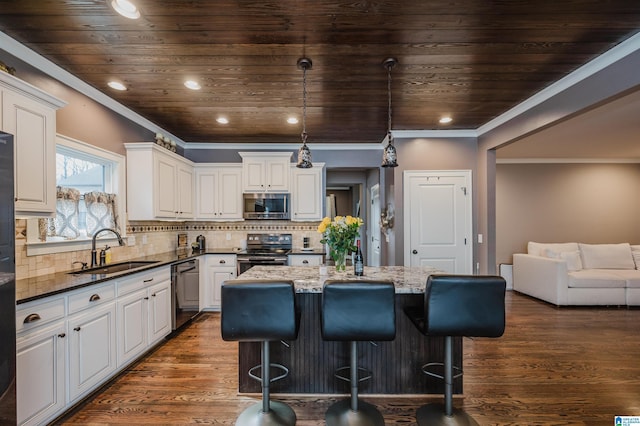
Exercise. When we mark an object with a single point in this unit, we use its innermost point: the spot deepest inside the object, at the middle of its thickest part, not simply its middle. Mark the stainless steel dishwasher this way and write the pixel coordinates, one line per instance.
(185, 286)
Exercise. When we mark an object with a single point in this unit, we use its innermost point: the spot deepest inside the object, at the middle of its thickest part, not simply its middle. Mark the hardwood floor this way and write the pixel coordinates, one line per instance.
(553, 366)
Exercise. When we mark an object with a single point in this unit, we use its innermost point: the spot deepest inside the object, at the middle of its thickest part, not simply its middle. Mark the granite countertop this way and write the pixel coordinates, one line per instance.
(42, 286)
(307, 279)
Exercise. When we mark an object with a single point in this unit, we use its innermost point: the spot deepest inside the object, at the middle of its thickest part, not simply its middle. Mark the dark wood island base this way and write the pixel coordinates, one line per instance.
(312, 362)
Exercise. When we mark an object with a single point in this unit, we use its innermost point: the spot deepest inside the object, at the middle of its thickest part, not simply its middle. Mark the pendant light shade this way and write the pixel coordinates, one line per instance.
(304, 154)
(389, 157)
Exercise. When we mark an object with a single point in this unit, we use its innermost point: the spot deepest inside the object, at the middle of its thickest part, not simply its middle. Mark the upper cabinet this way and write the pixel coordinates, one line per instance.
(307, 193)
(160, 184)
(29, 114)
(219, 192)
(265, 171)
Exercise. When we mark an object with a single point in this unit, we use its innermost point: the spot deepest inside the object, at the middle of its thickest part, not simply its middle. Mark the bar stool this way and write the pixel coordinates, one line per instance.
(356, 311)
(457, 305)
(261, 311)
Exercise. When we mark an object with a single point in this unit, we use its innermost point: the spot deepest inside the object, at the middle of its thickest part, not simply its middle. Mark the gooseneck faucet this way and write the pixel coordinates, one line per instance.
(94, 253)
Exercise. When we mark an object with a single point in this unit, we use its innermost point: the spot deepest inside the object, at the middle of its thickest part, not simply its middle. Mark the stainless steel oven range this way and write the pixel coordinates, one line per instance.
(265, 249)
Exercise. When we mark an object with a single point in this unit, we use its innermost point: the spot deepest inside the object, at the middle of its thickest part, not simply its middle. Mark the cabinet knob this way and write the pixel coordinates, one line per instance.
(76, 329)
(31, 318)
(62, 335)
(305, 261)
(223, 261)
(94, 298)
(146, 298)
(415, 252)
(153, 295)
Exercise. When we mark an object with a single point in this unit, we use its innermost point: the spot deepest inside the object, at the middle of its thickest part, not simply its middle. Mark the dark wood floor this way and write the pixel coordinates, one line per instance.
(568, 366)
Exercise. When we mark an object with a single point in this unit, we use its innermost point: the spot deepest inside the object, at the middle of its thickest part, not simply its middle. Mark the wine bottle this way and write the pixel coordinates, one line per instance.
(358, 262)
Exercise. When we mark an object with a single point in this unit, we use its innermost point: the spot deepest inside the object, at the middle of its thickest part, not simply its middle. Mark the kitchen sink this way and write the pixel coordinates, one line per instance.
(115, 267)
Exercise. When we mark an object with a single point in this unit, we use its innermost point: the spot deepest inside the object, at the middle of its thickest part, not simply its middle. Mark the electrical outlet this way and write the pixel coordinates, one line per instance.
(228, 236)
(131, 240)
(480, 238)
(144, 239)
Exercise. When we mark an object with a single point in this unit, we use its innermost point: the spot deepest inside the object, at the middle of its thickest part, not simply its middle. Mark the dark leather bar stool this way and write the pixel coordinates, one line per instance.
(457, 305)
(356, 311)
(261, 311)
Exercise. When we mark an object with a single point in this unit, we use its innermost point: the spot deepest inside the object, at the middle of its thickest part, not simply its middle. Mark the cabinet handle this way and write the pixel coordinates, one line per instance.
(305, 261)
(146, 298)
(148, 281)
(31, 318)
(94, 298)
(76, 329)
(62, 335)
(153, 295)
(223, 261)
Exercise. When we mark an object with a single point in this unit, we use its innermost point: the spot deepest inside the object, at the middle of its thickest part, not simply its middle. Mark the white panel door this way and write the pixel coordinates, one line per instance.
(166, 172)
(230, 193)
(159, 311)
(374, 227)
(132, 327)
(437, 208)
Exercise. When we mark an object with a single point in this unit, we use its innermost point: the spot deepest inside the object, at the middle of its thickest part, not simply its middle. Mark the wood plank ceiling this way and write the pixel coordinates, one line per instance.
(471, 59)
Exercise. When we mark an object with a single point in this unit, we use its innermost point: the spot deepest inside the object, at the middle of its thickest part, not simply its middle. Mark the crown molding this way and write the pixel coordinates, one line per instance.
(283, 146)
(567, 160)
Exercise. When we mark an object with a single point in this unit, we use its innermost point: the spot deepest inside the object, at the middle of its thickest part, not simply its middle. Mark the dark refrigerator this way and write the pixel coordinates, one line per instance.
(7, 285)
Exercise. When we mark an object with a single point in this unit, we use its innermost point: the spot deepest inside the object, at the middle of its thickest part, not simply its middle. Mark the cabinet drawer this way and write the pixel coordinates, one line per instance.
(142, 279)
(92, 296)
(37, 313)
(221, 260)
(306, 260)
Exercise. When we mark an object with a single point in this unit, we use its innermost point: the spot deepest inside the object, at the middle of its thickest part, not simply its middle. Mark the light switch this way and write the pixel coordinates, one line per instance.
(479, 238)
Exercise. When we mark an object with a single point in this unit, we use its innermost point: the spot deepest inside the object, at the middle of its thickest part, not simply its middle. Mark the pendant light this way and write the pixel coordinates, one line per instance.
(389, 157)
(304, 154)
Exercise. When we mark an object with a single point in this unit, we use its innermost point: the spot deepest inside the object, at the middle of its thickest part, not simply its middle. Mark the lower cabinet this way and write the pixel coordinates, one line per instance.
(92, 349)
(40, 382)
(219, 269)
(143, 319)
(305, 259)
(68, 345)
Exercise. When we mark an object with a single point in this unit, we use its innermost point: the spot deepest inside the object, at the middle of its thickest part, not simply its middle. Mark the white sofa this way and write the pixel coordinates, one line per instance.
(579, 274)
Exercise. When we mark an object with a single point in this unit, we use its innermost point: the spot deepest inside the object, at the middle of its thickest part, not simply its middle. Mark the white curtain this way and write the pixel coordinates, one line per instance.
(101, 211)
(65, 224)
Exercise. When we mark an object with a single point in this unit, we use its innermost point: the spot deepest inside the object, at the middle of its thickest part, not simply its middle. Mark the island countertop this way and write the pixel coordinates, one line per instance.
(307, 279)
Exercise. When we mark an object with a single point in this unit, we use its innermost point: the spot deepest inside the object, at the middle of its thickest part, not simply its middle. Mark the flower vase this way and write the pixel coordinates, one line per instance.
(340, 260)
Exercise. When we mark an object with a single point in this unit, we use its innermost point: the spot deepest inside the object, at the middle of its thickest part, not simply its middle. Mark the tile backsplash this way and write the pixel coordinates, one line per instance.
(159, 237)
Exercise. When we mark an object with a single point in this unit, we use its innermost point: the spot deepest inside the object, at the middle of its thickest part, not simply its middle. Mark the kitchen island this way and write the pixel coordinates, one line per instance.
(395, 365)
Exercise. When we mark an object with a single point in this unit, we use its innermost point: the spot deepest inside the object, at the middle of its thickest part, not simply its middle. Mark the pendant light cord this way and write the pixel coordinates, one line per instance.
(304, 105)
(389, 95)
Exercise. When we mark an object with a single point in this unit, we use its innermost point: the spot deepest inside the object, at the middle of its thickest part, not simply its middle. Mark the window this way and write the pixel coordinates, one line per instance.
(90, 195)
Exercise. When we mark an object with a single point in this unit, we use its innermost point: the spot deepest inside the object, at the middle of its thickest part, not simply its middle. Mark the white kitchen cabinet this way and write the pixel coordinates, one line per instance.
(160, 184)
(40, 378)
(305, 259)
(143, 313)
(29, 114)
(265, 171)
(307, 193)
(219, 192)
(92, 349)
(219, 269)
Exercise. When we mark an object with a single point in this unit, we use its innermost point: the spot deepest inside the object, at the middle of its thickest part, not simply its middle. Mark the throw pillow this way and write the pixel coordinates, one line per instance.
(636, 258)
(607, 256)
(574, 263)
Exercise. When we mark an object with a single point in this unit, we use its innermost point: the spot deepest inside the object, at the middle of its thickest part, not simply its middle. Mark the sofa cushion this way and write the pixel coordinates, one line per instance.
(635, 252)
(595, 278)
(538, 249)
(632, 276)
(606, 256)
(574, 263)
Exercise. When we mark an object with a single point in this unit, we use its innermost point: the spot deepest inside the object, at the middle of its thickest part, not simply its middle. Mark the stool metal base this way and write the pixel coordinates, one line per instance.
(341, 414)
(434, 414)
(280, 414)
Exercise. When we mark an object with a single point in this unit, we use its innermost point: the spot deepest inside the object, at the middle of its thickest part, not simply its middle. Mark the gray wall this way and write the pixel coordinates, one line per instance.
(588, 203)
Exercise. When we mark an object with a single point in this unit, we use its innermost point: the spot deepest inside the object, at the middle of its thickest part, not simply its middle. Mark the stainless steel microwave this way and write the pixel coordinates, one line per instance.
(266, 206)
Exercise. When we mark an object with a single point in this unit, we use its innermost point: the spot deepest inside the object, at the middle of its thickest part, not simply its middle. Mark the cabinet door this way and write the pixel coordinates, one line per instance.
(216, 276)
(253, 175)
(207, 194)
(92, 349)
(230, 193)
(40, 374)
(159, 311)
(306, 199)
(277, 175)
(306, 260)
(132, 326)
(185, 192)
(33, 127)
(165, 188)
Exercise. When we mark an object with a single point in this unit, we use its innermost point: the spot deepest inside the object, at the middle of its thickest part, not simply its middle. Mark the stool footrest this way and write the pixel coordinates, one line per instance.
(367, 374)
(257, 377)
(425, 370)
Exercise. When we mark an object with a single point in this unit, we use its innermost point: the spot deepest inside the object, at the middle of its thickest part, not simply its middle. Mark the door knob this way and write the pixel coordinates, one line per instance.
(415, 252)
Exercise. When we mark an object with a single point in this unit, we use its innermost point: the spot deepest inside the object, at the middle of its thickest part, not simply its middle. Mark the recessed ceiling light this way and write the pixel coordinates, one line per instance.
(222, 120)
(292, 120)
(117, 85)
(193, 85)
(445, 120)
(125, 8)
